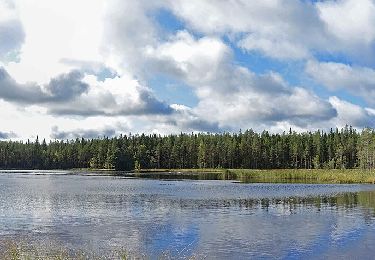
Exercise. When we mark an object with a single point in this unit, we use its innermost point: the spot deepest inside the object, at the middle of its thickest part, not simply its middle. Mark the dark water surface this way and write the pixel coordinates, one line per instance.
(207, 219)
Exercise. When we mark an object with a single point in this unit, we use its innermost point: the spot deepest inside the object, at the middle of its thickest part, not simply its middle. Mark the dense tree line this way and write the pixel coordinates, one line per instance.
(337, 149)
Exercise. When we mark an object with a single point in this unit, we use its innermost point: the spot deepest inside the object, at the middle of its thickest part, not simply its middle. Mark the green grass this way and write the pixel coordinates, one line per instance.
(300, 175)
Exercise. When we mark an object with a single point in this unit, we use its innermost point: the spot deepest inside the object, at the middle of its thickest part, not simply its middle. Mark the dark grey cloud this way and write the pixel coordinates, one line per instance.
(63, 95)
(79, 133)
(107, 106)
(10, 90)
(153, 105)
(194, 124)
(66, 86)
(61, 88)
(98, 69)
(7, 135)
(297, 106)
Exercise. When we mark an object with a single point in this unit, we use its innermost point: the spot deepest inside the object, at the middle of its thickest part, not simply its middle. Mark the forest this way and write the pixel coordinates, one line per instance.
(343, 148)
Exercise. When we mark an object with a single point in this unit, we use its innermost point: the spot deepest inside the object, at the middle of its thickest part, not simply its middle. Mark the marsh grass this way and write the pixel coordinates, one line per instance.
(28, 250)
(22, 250)
(269, 176)
(300, 175)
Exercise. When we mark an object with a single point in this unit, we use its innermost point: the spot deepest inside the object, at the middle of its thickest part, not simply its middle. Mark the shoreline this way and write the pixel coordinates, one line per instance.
(335, 176)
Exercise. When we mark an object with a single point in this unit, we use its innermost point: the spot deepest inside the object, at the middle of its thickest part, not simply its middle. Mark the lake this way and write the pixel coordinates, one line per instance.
(209, 219)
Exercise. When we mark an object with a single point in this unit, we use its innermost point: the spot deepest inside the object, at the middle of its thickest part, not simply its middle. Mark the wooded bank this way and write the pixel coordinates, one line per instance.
(337, 149)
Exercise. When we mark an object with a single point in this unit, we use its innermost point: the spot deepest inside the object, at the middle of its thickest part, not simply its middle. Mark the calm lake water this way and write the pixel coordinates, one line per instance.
(207, 219)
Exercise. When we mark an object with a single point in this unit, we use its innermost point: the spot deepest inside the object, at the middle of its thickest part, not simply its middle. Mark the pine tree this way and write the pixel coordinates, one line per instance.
(202, 155)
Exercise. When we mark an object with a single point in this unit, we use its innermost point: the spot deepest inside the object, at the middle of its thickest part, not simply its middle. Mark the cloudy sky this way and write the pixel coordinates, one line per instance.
(90, 68)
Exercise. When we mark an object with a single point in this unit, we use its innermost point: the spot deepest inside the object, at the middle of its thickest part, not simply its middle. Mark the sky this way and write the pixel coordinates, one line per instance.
(93, 68)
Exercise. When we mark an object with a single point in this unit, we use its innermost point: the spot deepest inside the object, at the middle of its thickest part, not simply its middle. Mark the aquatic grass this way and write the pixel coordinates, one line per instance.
(300, 175)
(23, 251)
(27, 250)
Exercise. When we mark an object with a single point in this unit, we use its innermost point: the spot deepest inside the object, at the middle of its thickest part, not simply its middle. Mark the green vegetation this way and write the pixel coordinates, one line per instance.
(302, 175)
(337, 149)
(21, 250)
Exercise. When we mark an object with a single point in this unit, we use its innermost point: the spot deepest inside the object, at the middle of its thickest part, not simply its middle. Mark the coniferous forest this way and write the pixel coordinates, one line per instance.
(337, 149)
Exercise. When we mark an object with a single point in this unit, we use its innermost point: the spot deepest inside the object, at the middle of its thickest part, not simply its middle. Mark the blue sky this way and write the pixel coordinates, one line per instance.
(292, 71)
(92, 68)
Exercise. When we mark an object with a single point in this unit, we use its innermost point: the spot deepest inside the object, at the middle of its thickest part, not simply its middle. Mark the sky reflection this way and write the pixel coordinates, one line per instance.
(212, 219)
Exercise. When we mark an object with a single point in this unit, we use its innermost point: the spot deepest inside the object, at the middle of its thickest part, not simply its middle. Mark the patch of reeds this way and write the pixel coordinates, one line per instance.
(302, 175)
(29, 250)
(22, 250)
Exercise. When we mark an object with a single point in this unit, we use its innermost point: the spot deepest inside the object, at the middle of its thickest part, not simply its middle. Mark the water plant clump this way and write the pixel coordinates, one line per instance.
(28, 250)
(305, 175)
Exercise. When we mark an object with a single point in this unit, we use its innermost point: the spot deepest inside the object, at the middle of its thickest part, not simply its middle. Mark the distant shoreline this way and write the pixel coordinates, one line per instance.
(344, 176)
